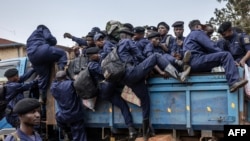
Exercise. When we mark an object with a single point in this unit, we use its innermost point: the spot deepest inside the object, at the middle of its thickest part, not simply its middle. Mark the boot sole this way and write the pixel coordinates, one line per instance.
(239, 86)
(185, 74)
(186, 57)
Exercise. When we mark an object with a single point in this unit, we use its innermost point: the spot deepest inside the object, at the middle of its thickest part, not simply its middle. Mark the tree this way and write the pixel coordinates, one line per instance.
(236, 11)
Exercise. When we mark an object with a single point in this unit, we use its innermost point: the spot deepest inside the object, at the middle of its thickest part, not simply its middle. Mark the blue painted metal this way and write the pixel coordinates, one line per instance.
(202, 103)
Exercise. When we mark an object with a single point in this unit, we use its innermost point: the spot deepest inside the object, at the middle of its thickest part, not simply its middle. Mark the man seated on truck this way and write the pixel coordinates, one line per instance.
(206, 55)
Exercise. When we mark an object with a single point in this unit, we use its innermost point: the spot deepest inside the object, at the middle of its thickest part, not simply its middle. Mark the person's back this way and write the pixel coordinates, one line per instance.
(70, 109)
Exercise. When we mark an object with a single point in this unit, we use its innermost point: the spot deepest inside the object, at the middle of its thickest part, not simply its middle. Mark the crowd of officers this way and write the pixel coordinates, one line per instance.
(147, 52)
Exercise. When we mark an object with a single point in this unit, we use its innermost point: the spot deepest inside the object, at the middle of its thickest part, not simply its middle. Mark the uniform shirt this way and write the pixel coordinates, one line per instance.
(129, 53)
(171, 41)
(199, 43)
(176, 49)
(70, 108)
(20, 86)
(95, 71)
(107, 47)
(237, 45)
(79, 41)
(24, 137)
(150, 49)
(141, 44)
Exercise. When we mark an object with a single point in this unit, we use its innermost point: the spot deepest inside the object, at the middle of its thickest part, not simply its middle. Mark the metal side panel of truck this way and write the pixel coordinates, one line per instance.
(204, 102)
(19, 63)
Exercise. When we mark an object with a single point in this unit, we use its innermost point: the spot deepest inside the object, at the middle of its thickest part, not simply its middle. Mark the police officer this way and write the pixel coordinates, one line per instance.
(150, 29)
(103, 44)
(70, 110)
(15, 87)
(177, 48)
(238, 44)
(107, 90)
(42, 53)
(28, 111)
(139, 39)
(206, 55)
(166, 39)
(138, 67)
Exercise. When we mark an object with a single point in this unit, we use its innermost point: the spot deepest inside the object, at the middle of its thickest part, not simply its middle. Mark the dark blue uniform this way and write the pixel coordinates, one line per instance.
(70, 109)
(137, 69)
(151, 49)
(24, 137)
(17, 88)
(238, 45)
(108, 91)
(42, 53)
(206, 55)
(177, 49)
(170, 42)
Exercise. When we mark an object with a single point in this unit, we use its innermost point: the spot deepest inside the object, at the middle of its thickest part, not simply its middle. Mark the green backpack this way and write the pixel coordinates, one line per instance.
(112, 28)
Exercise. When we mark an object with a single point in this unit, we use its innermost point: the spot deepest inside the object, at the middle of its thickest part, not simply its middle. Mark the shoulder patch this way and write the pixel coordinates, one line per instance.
(246, 40)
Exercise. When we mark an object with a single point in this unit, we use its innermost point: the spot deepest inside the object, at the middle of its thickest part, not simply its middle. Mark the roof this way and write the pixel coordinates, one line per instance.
(9, 43)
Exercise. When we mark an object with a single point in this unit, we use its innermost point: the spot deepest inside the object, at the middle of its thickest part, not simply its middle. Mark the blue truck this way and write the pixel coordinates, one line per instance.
(198, 108)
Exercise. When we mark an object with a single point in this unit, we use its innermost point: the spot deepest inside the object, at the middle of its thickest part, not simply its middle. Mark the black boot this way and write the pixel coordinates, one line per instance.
(146, 129)
(132, 132)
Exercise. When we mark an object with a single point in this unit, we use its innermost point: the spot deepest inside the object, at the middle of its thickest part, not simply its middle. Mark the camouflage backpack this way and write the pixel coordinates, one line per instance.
(112, 28)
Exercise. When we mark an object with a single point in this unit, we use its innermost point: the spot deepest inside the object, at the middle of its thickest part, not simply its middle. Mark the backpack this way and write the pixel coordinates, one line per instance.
(112, 27)
(85, 86)
(3, 101)
(113, 68)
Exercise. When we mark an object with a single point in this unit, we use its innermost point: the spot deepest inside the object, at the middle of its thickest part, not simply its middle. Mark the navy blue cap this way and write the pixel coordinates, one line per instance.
(26, 105)
(153, 34)
(178, 24)
(224, 27)
(92, 50)
(126, 30)
(152, 28)
(11, 72)
(98, 36)
(163, 24)
(139, 29)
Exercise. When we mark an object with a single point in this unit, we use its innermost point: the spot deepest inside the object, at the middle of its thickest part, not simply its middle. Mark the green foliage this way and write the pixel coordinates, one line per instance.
(236, 11)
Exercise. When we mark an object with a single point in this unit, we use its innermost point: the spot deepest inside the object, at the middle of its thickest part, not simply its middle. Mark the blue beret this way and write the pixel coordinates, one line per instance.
(163, 24)
(26, 105)
(11, 72)
(126, 30)
(153, 34)
(128, 26)
(90, 34)
(92, 50)
(152, 28)
(224, 27)
(95, 30)
(98, 36)
(139, 29)
(178, 24)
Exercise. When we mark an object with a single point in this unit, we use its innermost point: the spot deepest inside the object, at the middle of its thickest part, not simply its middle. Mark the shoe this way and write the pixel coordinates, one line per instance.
(183, 75)
(132, 132)
(237, 85)
(186, 57)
